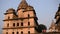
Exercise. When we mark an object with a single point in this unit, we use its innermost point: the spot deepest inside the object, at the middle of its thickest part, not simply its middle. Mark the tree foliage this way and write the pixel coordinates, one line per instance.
(40, 27)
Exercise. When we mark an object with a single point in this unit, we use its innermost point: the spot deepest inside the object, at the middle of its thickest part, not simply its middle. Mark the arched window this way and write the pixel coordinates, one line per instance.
(28, 23)
(17, 24)
(14, 24)
(8, 17)
(28, 32)
(8, 25)
(6, 32)
(12, 32)
(17, 32)
(21, 32)
(28, 15)
(22, 24)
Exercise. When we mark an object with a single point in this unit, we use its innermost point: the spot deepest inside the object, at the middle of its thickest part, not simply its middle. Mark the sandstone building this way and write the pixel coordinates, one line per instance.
(20, 21)
(57, 17)
(56, 25)
(24, 20)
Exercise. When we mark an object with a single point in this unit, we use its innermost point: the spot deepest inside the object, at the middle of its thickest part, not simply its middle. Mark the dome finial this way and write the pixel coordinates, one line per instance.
(23, 0)
(23, 4)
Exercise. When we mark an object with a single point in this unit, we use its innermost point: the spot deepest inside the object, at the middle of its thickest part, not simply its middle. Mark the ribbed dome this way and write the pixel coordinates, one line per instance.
(10, 10)
(29, 8)
(23, 4)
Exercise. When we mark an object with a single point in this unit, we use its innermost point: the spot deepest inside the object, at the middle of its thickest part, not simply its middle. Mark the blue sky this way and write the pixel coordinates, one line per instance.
(45, 9)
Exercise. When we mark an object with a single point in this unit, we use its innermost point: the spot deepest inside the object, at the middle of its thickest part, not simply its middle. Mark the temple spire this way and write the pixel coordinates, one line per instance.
(23, 4)
(23, 0)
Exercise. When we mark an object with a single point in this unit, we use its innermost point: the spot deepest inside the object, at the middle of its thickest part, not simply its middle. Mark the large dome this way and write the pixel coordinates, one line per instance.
(10, 10)
(23, 4)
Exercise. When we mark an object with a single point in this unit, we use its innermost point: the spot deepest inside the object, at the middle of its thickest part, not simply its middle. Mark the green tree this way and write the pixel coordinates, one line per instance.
(40, 27)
